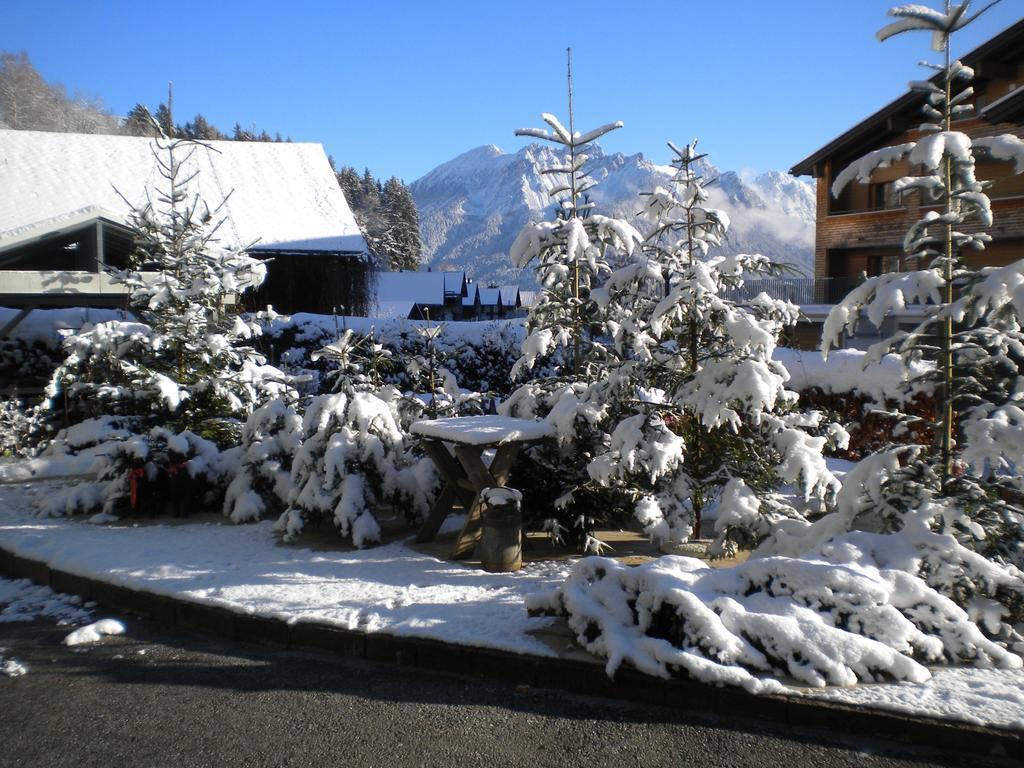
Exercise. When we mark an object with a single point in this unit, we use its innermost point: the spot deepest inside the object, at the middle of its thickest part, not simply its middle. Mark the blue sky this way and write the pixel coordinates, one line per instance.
(403, 86)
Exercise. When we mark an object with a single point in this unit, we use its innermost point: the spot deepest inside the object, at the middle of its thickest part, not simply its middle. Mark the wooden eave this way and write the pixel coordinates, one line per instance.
(1008, 109)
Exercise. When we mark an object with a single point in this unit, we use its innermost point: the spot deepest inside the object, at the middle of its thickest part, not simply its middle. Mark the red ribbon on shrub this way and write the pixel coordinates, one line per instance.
(134, 475)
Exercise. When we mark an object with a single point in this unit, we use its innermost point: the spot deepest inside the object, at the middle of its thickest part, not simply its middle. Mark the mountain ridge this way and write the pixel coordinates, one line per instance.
(473, 206)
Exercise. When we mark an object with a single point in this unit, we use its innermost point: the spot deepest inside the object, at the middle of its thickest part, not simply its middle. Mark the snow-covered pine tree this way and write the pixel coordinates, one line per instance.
(964, 487)
(187, 360)
(698, 410)
(572, 255)
(402, 235)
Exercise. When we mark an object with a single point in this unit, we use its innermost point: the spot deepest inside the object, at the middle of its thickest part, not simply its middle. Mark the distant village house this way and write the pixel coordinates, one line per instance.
(443, 296)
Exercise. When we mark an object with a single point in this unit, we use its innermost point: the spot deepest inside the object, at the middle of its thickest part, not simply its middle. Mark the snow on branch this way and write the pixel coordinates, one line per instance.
(862, 169)
(1004, 147)
(879, 296)
(930, 150)
(597, 133)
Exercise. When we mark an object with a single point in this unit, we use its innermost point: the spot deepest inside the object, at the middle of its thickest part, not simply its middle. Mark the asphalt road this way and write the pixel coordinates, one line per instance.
(164, 697)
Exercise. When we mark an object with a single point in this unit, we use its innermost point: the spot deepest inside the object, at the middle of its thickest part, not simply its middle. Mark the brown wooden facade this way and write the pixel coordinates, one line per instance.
(862, 230)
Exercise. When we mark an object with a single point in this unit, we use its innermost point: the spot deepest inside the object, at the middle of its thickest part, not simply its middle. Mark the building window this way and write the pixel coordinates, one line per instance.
(882, 196)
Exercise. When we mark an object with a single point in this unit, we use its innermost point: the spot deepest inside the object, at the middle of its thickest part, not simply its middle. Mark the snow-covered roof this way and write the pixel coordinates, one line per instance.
(527, 298)
(471, 298)
(394, 310)
(490, 297)
(455, 283)
(283, 196)
(509, 295)
(419, 287)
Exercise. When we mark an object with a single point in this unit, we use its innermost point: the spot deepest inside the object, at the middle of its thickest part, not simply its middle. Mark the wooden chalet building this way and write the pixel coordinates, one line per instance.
(65, 201)
(861, 231)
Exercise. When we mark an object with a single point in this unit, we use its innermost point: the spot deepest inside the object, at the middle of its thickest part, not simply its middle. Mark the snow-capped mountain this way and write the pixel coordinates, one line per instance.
(472, 207)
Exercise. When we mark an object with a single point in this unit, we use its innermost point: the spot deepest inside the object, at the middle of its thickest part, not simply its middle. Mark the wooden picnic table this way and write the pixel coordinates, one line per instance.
(463, 468)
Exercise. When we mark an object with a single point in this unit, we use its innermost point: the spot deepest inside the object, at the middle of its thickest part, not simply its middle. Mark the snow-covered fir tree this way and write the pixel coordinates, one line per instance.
(965, 482)
(698, 410)
(387, 216)
(572, 254)
(183, 372)
(401, 238)
(187, 360)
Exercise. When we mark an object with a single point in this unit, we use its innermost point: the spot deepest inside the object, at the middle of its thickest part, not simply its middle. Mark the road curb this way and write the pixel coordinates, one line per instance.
(571, 675)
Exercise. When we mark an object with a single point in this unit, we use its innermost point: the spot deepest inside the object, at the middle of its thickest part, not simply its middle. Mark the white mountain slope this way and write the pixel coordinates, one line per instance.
(472, 207)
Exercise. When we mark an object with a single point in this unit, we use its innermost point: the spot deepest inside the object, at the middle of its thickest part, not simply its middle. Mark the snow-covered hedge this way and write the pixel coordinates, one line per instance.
(479, 355)
(849, 371)
(851, 610)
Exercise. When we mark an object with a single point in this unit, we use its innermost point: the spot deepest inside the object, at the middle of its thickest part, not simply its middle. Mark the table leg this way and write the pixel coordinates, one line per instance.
(452, 474)
(438, 512)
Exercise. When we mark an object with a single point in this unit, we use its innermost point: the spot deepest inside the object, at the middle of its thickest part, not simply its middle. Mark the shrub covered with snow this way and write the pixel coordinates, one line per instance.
(270, 439)
(563, 499)
(354, 457)
(23, 427)
(29, 361)
(850, 610)
(138, 474)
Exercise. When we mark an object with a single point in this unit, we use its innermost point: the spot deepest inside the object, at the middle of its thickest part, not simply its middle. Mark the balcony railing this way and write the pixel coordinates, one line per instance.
(802, 291)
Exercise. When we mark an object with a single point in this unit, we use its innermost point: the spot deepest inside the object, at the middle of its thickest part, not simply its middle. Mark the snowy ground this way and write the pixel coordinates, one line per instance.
(390, 588)
(21, 600)
(393, 589)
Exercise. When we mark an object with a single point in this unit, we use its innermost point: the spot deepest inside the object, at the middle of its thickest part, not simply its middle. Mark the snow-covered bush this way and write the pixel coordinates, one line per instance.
(564, 500)
(23, 427)
(134, 471)
(270, 439)
(434, 390)
(353, 458)
(850, 610)
(28, 361)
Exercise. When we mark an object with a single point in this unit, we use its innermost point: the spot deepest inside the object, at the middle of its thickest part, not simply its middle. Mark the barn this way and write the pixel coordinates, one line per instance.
(66, 200)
